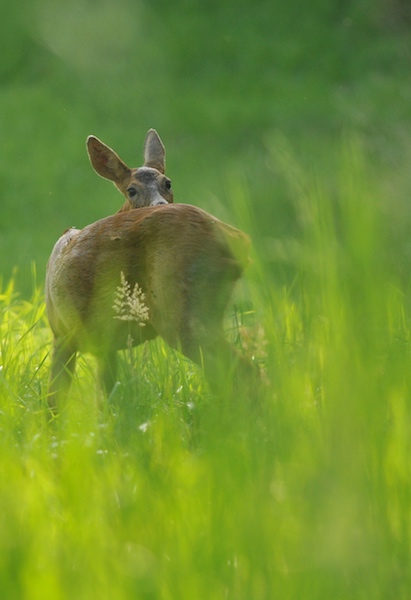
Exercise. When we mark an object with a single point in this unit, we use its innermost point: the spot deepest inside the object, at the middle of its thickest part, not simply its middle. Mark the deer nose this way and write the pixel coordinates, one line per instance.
(159, 201)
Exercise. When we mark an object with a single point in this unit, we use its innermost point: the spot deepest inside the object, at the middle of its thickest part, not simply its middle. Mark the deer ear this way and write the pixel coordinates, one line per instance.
(106, 162)
(154, 151)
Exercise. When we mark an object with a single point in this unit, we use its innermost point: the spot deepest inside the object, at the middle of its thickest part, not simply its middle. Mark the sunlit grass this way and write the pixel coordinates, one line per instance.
(160, 492)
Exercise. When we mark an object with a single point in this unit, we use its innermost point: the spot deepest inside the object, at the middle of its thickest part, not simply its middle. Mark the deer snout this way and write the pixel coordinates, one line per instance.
(158, 201)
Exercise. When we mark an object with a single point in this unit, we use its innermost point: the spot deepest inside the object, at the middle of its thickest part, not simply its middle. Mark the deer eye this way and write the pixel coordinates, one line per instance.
(131, 192)
(168, 184)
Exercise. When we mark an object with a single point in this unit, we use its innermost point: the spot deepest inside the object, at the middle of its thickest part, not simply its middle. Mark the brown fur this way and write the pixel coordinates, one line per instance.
(185, 260)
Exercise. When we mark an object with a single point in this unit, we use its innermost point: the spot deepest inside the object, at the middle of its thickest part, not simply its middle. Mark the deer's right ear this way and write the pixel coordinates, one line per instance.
(106, 162)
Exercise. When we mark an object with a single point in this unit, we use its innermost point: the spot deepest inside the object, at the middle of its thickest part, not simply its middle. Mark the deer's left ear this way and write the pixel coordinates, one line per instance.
(154, 151)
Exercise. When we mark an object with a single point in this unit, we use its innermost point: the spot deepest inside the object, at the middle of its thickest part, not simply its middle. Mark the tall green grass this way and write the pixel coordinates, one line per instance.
(161, 493)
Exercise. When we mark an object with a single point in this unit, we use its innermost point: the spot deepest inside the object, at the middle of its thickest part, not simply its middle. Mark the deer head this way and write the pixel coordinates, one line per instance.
(141, 186)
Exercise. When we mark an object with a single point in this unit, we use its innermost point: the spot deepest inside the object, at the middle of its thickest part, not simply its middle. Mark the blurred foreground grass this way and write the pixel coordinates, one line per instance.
(163, 494)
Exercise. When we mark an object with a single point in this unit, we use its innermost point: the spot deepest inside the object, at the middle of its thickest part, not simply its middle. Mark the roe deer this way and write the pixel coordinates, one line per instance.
(153, 268)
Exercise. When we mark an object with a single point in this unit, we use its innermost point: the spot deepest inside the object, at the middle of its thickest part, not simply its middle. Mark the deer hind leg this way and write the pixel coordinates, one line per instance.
(199, 334)
(228, 373)
(201, 338)
(63, 363)
(107, 371)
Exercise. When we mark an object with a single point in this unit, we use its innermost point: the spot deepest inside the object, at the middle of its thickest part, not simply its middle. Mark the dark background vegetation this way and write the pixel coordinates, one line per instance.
(224, 82)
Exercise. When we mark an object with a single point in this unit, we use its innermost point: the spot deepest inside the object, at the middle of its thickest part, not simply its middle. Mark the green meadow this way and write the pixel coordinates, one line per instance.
(292, 123)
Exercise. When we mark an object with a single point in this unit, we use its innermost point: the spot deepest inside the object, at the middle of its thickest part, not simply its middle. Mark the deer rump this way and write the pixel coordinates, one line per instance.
(185, 261)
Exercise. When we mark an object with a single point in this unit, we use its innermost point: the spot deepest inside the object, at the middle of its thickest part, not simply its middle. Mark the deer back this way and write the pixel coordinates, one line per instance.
(181, 258)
